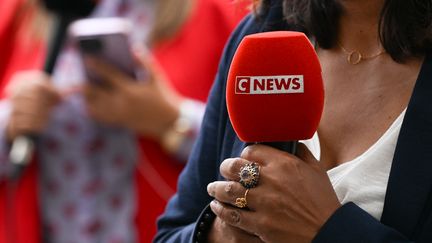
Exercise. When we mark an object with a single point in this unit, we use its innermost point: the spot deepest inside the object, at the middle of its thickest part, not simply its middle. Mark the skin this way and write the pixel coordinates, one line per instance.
(228, 233)
(147, 107)
(33, 97)
(294, 217)
(362, 100)
(358, 109)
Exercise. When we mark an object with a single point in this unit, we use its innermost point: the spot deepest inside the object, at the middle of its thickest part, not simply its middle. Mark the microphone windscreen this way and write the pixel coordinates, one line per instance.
(275, 89)
(76, 8)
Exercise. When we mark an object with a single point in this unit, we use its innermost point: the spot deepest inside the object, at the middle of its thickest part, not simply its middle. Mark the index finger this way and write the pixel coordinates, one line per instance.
(230, 168)
(263, 154)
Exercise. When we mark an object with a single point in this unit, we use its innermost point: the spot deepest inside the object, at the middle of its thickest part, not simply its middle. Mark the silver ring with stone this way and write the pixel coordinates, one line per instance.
(249, 175)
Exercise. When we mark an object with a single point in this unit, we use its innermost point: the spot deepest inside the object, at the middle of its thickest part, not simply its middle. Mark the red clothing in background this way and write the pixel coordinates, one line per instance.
(19, 221)
(190, 60)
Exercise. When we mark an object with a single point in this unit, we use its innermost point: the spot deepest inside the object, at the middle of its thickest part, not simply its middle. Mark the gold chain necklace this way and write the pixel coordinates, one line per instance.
(355, 57)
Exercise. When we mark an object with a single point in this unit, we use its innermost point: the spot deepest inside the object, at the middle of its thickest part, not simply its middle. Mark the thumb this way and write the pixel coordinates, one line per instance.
(151, 68)
(305, 154)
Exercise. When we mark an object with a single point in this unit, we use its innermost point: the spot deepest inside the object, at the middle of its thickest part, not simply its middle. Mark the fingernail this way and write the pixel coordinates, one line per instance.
(215, 206)
(210, 189)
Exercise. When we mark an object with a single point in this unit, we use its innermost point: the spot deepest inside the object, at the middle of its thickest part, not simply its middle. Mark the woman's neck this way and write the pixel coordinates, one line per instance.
(359, 25)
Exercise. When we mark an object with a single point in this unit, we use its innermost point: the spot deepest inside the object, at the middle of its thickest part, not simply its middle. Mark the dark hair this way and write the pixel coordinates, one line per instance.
(405, 26)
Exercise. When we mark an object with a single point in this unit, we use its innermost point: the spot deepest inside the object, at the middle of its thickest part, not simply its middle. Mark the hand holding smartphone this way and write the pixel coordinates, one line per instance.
(106, 39)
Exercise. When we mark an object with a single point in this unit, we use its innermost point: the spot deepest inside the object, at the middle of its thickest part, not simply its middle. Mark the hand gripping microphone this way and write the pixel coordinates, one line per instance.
(65, 12)
(275, 93)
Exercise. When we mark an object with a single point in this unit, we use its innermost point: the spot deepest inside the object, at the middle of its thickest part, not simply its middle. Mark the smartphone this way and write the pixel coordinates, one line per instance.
(106, 39)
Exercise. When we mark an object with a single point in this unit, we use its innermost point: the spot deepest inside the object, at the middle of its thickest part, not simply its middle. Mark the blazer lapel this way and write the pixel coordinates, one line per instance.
(410, 178)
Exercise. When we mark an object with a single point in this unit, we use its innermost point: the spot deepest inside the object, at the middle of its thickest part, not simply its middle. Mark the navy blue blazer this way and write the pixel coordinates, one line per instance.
(408, 202)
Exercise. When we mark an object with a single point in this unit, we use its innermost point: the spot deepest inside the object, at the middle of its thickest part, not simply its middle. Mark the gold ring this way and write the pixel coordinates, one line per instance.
(241, 202)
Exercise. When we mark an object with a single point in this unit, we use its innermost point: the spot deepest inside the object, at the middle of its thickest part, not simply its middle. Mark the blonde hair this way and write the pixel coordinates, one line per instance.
(32, 22)
(170, 15)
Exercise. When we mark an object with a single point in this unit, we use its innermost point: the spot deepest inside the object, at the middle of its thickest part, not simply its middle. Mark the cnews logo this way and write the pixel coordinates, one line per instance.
(285, 84)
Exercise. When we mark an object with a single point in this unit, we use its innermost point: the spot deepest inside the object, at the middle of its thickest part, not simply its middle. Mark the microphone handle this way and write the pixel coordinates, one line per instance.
(56, 42)
(289, 147)
(23, 146)
(20, 154)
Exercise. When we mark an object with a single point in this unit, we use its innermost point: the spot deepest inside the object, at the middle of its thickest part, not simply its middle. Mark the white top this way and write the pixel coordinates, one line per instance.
(363, 180)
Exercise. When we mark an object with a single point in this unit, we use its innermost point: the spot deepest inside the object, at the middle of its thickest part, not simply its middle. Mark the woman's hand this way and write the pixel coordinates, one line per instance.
(147, 108)
(292, 201)
(32, 96)
(223, 232)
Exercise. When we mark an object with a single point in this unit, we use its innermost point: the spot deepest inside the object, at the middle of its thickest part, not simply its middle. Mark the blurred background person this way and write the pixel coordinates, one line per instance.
(23, 28)
(93, 181)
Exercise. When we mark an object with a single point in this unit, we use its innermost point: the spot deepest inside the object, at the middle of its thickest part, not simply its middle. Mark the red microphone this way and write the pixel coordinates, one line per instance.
(275, 92)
